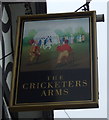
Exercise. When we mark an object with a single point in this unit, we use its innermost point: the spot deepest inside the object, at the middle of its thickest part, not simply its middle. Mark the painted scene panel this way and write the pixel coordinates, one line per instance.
(56, 45)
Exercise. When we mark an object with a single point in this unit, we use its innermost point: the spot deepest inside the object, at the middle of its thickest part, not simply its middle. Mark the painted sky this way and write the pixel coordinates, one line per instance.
(52, 25)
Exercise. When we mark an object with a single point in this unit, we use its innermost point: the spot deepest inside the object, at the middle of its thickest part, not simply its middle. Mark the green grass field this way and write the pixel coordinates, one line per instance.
(79, 58)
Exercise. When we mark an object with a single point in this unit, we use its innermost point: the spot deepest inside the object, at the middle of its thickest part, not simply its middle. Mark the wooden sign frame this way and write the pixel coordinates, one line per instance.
(55, 62)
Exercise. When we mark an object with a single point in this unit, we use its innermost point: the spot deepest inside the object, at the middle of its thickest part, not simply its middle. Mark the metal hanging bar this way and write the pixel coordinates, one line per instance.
(85, 7)
(99, 17)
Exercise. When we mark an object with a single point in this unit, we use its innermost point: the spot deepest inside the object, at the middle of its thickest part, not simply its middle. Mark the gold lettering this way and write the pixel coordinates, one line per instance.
(38, 85)
(84, 83)
(57, 85)
(43, 85)
(32, 85)
(43, 93)
(61, 77)
(70, 84)
(55, 77)
(50, 92)
(78, 83)
(64, 83)
(65, 92)
(59, 92)
(49, 85)
(25, 86)
(48, 78)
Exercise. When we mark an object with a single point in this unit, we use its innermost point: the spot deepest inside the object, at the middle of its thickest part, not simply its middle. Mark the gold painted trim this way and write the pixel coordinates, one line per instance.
(90, 26)
(14, 65)
(52, 103)
(20, 38)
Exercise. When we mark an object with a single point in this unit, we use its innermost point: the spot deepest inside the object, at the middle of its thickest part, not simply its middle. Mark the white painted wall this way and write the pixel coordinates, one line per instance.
(0, 69)
(108, 56)
(59, 6)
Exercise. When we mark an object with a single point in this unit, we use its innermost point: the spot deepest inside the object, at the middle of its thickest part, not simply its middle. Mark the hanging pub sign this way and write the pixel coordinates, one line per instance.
(55, 64)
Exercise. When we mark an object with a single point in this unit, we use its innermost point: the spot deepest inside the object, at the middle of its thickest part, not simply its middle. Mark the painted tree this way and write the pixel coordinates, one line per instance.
(30, 36)
(80, 31)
